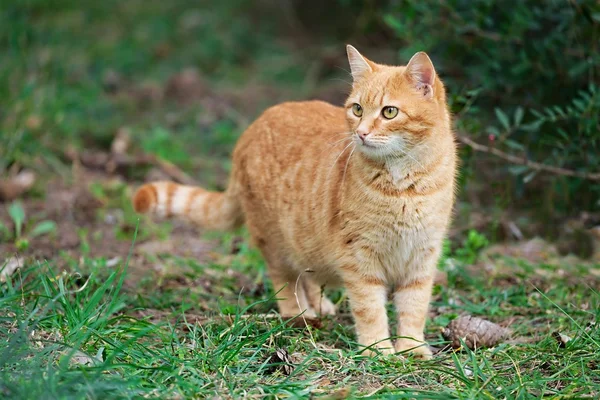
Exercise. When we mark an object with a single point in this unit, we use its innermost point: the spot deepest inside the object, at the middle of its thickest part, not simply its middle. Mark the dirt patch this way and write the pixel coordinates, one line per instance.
(94, 226)
(540, 261)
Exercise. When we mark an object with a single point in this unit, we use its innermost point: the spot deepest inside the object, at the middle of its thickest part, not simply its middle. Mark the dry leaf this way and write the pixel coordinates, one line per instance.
(186, 86)
(80, 358)
(14, 186)
(121, 141)
(561, 339)
(282, 361)
(8, 267)
(340, 394)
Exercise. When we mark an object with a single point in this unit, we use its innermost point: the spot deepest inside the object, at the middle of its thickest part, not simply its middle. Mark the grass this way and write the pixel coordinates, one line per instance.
(82, 334)
(87, 320)
(141, 44)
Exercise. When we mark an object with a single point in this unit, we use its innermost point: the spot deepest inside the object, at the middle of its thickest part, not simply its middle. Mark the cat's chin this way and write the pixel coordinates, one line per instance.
(375, 152)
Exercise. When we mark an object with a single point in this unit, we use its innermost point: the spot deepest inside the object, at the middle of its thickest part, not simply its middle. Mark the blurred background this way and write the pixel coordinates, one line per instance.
(96, 97)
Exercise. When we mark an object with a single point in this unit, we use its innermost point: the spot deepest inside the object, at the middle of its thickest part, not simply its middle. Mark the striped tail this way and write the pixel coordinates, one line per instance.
(210, 210)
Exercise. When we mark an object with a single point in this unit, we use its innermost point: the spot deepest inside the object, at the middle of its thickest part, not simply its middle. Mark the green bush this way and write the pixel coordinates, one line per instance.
(524, 75)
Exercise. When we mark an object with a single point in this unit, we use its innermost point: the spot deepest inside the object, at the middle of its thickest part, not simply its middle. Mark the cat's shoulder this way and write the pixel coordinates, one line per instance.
(299, 108)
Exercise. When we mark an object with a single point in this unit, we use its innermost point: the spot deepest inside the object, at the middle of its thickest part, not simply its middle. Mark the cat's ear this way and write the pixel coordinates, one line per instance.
(359, 65)
(421, 71)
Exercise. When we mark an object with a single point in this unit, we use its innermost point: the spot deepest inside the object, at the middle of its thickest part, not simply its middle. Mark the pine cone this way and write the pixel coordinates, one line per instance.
(474, 332)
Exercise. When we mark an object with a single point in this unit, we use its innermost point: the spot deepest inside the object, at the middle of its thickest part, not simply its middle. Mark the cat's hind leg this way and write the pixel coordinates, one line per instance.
(316, 298)
(292, 298)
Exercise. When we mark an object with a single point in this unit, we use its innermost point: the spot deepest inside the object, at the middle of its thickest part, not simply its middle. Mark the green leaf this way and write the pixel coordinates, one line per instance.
(563, 133)
(517, 169)
(519, 116)
(514, 145)
(394, 23)
(17, 213)
(581, 106)
(503, 118)
(4, 232)
(533, 127)
(538, 114)
(22, 244)
(529, 177)
(43, 228)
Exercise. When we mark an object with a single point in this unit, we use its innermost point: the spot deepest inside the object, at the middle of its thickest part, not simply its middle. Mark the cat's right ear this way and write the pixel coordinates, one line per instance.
(359, 65)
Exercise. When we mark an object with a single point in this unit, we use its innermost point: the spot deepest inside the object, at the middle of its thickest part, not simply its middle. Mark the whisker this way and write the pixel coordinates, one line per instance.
(346, 167)
(407, 154)
(338, 157)
(349, 83)
(414, 159)
(337, 141)
(345, 135)
(330, 145)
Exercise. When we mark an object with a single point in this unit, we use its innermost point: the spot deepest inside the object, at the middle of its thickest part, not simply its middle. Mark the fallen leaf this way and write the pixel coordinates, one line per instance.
(14, 186)
(80, 358)
(282, 362)
(340, 394)
(561, 339)
(9, 266)
(186, 86)
(121, 141)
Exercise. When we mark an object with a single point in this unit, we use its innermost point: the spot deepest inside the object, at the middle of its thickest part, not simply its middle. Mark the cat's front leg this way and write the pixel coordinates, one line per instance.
(367, 296)
(412, 303)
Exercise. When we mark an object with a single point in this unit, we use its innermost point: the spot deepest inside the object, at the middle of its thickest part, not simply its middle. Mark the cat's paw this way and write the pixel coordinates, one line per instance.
(419, 350)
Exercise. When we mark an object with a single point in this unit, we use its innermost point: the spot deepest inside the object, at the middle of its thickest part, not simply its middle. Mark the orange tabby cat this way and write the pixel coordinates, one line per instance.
(359, 196)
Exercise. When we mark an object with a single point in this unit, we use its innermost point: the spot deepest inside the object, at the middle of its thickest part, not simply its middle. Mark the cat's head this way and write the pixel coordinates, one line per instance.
(392, 109)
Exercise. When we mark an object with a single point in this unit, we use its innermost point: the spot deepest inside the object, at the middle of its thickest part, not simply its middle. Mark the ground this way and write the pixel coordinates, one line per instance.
(106, 304)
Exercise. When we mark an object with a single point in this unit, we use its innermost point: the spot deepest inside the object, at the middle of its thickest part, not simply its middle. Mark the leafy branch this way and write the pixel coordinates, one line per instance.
(595, 176)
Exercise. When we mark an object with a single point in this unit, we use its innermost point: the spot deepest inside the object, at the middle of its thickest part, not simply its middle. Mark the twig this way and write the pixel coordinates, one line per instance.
(174, 172)
(312, 339)
(113, 162)
(593, 176)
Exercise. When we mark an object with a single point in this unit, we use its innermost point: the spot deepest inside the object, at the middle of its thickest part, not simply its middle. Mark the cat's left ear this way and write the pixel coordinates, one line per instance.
(421, 71)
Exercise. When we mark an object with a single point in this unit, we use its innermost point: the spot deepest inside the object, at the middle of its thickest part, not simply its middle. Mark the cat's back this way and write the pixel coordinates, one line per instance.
(308, 116)
(292, 126)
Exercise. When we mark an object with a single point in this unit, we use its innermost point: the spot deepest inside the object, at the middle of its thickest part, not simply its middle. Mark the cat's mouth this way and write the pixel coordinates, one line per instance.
(365, 142)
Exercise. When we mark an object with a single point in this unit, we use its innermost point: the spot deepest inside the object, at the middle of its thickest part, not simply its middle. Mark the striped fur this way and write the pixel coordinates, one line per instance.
(327, 207)
(210, 210)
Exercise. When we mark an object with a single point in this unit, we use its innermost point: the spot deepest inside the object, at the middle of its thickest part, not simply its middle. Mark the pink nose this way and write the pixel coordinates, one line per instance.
(362, 135)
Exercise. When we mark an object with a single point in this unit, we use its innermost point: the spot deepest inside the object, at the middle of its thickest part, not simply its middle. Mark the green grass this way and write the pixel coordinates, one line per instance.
(86, 325)
(54, 88)
(82, 334)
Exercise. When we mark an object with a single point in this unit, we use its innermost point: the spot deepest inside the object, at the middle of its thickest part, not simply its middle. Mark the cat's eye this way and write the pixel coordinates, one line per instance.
(389, 112)
(357, 109)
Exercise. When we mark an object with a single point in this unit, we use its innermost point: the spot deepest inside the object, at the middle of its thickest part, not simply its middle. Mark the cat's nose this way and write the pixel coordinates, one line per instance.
(362, 135)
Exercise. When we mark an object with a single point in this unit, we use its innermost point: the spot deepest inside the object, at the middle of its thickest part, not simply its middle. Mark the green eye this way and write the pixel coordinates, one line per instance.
(357, 109)
(389, 112)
